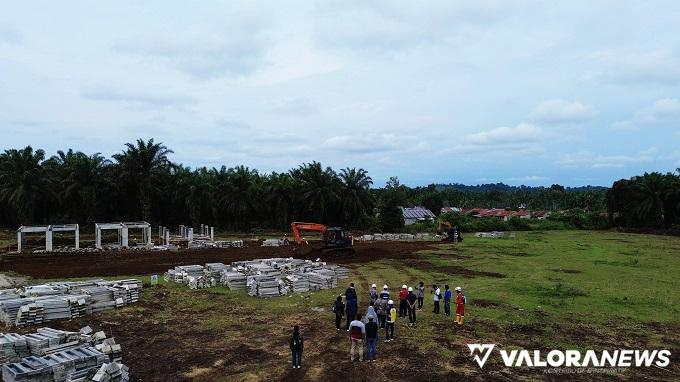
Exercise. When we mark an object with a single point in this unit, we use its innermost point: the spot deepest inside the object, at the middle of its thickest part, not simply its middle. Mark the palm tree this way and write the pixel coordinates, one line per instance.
(320, 189)
(356, 198)
(81, 180)
(240, 194)
(280, 192)
(140, 167)
(24, 183)
(651, 187)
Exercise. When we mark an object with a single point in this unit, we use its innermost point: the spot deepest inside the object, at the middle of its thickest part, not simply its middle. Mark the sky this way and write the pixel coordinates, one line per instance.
(484, 91)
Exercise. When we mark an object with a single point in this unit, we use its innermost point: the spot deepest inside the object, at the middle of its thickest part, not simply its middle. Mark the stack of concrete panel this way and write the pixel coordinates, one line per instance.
(12, 348)
(263, 286)
(59, 356)
(111, 372)
(56, 308)
(30, 314)
(340, 272)
(297, 283)
(322, 279)
(274, 242)
(228, 244)
(233, 280)
(214, 269)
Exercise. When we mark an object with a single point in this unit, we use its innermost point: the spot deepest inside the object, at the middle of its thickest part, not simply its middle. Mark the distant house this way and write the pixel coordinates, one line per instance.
(541, 215)
(417, 214)
(522, 214)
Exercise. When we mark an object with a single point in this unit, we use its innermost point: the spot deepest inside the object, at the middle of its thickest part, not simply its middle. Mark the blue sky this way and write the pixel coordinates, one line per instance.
(521, 92)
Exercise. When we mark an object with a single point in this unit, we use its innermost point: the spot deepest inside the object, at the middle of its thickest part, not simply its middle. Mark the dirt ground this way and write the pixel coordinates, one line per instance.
(121, 263)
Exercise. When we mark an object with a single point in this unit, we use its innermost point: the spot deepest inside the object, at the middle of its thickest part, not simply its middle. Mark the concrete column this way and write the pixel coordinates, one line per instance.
(190, 235)
(77, 237)
(48, 239)
(167, 236)
(202, 230)
(20, 241)
(124, 237)
(98, 238)
(212, 233)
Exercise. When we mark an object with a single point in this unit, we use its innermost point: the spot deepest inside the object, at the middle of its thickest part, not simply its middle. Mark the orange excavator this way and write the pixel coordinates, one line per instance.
(334, 238)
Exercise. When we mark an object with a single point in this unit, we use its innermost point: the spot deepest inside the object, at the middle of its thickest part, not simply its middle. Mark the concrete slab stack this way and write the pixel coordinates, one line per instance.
(36, 304)
(59, 356)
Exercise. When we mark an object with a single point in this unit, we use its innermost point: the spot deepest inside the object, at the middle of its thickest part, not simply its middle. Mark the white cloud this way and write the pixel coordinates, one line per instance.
(657, 67)
(597, 161)
(137, 98)
(374, 143)
(562, 111)
(529, 178)
(665, 112)
(521, 133)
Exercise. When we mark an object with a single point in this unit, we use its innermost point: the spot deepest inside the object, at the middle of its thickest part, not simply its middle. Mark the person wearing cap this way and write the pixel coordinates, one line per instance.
(411, 301)
(403, 295)
(421, 295)
(371, 338)
(385, 294)
(373, 293)
(437, 296)
(357, 335)
(460, 306)
(447, 300)
(380, 307)
(391, 319)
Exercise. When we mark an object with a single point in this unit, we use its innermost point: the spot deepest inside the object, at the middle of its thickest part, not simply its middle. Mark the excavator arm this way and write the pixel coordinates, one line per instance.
(296, 227)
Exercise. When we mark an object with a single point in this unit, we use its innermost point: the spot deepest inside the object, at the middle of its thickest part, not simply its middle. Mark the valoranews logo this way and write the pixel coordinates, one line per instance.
(573, 358)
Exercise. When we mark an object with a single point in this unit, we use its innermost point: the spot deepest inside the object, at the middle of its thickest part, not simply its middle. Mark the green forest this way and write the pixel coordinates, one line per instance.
(143, 183)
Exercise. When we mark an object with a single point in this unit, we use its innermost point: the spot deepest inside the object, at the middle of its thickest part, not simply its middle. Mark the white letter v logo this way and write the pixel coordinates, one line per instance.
(483, 349)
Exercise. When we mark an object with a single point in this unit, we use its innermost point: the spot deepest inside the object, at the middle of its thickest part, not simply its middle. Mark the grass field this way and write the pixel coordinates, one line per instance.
(540, 290)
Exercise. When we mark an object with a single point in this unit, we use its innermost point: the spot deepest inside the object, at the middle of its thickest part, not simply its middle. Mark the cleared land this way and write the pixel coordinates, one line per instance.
(542, 290)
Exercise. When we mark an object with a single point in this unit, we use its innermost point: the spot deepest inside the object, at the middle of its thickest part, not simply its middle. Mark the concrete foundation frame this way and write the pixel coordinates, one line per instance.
(48, 230)
(123, 229)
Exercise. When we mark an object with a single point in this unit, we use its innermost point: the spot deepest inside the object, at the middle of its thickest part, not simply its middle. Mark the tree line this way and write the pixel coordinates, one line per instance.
(143, 183)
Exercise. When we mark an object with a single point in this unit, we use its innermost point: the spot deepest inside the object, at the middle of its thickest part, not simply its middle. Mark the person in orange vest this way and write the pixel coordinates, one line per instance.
(460, 306)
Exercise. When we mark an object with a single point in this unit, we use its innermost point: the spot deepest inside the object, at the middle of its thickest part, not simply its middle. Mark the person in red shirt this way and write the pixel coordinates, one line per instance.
(403, 305)
(460, 306)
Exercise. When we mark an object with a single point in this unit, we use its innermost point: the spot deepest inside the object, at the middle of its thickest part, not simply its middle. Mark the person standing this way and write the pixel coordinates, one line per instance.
(380, 307)
(391, 319)
(357, 335)
(447, 300)
(411, 301)
(460, 306)
(350, 292)
(351, 310)
(403, 295)
(296, 347)
(437, 296)
(371, 338)
(370, 312)
(421, 295)
(339, 310)
(373, 293)
(385, 294)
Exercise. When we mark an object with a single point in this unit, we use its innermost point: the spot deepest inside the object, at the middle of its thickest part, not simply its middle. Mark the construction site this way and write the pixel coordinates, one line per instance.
(189, 305)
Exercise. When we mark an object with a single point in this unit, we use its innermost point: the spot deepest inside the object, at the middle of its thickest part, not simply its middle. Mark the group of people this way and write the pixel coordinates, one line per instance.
(382, 313)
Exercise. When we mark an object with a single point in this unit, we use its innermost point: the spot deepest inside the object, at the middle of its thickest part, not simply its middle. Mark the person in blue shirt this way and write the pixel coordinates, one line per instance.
(447, 300)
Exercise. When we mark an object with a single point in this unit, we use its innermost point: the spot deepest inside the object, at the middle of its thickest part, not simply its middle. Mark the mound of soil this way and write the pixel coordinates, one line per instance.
(121, 263)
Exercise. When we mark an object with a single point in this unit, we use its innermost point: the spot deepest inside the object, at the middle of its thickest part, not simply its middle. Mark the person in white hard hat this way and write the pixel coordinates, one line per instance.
(412, 300)
(373, 293)
(385, 294)
(403, 295)
(391, 319)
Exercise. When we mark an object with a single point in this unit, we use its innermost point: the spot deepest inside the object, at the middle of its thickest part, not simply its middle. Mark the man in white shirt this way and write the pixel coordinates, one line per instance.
(357, 335)
(437, 297)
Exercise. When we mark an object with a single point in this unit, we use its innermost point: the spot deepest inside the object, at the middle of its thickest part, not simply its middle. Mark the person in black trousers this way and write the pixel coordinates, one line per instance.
(296, 347)
(351, 308)
(339, 310)
(411, 301)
